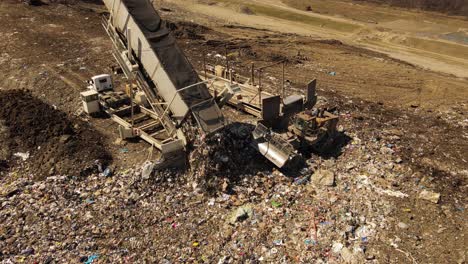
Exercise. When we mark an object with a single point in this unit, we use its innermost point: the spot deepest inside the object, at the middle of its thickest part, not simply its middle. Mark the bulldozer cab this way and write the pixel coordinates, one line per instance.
(312, 127)
(305, 123)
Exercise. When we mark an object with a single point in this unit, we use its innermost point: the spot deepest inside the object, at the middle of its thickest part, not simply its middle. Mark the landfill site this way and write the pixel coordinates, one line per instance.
(266, 131)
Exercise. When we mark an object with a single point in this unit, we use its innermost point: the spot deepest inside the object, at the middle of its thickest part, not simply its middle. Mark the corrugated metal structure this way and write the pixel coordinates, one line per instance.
(172, 76)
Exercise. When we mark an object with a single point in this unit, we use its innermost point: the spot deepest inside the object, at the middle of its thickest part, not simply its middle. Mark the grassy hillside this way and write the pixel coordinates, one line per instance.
(459, 7)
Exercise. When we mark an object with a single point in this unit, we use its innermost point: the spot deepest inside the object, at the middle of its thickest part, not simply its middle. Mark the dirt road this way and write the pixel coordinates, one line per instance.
(415, 37)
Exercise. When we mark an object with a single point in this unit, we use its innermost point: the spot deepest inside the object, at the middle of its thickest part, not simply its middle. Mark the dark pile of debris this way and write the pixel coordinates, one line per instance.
(187, 30)
(225, 158)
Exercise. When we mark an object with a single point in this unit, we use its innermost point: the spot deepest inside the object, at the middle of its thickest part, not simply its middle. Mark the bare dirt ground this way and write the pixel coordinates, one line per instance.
(406, 128)
(429, 40)
(371, 80)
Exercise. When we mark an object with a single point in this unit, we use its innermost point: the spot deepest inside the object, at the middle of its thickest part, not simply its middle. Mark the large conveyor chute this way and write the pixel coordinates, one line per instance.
(164, 63)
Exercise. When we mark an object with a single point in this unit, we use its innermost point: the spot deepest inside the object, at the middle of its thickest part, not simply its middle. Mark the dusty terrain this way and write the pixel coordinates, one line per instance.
(429, 40)
(405, 132)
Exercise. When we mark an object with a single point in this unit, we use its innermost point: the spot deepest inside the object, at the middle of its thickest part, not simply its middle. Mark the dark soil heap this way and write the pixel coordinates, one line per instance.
(57, 143)
(188, 30)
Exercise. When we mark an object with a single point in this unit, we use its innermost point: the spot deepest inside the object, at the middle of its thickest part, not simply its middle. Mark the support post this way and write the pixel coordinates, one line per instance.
(204, 63)
(131, 104)
(252, 74)
(227, 60)
(129, 44)
(282, 82)
(260, 87)
(129, 55)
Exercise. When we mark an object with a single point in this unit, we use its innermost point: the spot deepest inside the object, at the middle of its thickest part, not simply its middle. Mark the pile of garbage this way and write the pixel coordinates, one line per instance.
(225, 158)
(262, 216)
(232, 206)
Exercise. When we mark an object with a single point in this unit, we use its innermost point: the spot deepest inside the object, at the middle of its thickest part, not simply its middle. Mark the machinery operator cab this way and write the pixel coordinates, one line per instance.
(100, 83)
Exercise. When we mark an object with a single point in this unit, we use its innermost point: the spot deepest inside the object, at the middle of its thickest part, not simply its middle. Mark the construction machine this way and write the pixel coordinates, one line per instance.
(149, 55)
(295, 131)
(314, 129)
(287, 125)
(167, 103)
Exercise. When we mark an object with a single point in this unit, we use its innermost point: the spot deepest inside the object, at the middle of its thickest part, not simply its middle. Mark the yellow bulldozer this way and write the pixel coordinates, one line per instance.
(314, 129)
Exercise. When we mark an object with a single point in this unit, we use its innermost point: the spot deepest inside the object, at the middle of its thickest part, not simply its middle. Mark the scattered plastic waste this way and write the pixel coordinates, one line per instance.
(301, 180)
(147, 170)
(23, 155)
(99, 166)
(337, 247)
(107, 172)
(278, 242)
(124, 150)
(91, 259)
(275, 204)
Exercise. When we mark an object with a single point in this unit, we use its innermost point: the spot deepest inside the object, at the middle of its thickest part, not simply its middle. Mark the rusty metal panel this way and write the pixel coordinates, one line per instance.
(311, 94)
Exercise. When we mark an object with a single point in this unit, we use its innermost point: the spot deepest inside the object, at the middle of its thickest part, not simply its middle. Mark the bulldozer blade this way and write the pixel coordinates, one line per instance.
(272, 147)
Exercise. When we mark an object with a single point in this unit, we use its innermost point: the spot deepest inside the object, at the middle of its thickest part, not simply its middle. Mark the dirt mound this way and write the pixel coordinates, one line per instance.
(188, 30)
(56, 143)
(288, 59)
(330, 42)
(246, 10)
